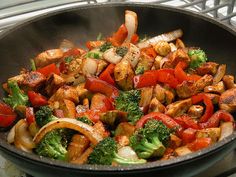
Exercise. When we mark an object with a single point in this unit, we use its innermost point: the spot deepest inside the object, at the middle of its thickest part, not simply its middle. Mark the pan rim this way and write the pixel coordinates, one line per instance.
(105, 168)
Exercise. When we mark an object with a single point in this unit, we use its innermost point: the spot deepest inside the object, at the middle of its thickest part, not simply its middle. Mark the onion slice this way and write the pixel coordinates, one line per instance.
(227, 128)
(170, 36)
(111, 56)
(74, 124)
(131, 23)
(89, 66)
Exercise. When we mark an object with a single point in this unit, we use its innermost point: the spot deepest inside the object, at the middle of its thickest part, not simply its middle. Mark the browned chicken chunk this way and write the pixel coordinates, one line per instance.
(156, 106)
(195, 111)
(53, 83)
(228, 81)
(207, 68)
(217, 88)
(228, 100)
(178, 108)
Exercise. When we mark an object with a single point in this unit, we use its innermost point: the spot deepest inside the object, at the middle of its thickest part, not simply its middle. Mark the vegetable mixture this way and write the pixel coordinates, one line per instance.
(122, 101)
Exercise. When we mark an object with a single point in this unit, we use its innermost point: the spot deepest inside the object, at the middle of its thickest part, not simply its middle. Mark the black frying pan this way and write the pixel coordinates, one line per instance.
(80, 24)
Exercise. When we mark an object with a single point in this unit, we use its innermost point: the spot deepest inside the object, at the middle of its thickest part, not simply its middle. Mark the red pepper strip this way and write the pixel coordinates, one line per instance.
(62, 67)
(47, 70)
(106, 74)
(188, 135)
(215, 119)
(118, 37)
(93, 44)
(208, 103)
(29, 115)
(36, 99)
(98, 85)
(134, 39)
(181, 75)
(149, 51)
(73, 52)
(150, 78)
(167, 120)
(7, 115)
(199, 143)
(187, 122)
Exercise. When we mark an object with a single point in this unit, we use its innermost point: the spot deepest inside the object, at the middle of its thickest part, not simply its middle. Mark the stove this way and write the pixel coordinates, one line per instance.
(14, 12)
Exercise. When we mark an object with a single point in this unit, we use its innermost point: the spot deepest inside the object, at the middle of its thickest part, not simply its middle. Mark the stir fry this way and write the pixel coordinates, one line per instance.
(124, 100)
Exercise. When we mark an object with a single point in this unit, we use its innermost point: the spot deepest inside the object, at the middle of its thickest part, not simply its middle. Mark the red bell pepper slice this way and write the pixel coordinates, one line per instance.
(188, 135)
(149, 51)
(181, 75)
(7, 115)
(29, 115)
(119, 37)
(49, 69)
(167, 120)
(215, 119)
(134, 39)
(98, 85)
(187, 122)
(150, 78)
(36, 99)
(199, 143)
(208, 103)
(73, 52)
(106, 75)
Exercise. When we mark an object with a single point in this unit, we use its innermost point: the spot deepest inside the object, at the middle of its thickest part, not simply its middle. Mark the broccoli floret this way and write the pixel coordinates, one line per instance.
(44, 115)
(85, 120)
(121, 51)
(128, 101)
(53, 145)
(149, 141)
(139, 70)
(105, 46)
(17, 97)
(197, 57)
(105, 152)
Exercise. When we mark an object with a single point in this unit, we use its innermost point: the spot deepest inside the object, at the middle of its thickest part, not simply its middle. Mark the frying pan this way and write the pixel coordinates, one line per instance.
(83, 23)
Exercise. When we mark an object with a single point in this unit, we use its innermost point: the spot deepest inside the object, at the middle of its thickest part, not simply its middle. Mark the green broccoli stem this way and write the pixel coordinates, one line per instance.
(123, 161)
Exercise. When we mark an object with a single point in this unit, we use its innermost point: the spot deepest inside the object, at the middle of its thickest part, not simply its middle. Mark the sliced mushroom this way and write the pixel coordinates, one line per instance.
(195, 111)
(219, 74)
(229, 81)
(217, 88)
(227, 100)
(47, 57)
(178, 108)
(124, 74)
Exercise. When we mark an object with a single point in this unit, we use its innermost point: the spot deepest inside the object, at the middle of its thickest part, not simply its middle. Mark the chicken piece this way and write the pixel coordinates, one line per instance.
(179, 43)
(75, 66)
(68, 108)
(122, 140)
(145, 62)
(124, 74)
(53, 83)
(97, 102)
(195, 111)
(77, 146)
(156, 106)
(146, 96)
(189, 88)
(207, 68)
(169, 97)
(227, 100)
(83, 158)
(83, 92)
(217, 88)
(213, 133)
(183, 150)
(219, 74)
(169, 154)
(159, 93)
(100, 129)
(124, 129)
(175, 141)
(86, 103)
(132, 55)
(102, 64)
(214, 97)
(162, 48)
(178, 108)
(175, 57)
(157, 62)
(229, 81)
(65, 92)
(47, 57)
